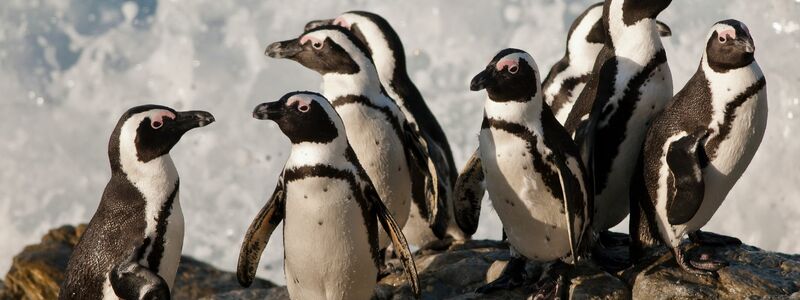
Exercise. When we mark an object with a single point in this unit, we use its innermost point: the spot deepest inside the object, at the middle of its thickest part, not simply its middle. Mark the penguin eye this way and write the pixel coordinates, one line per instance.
(156, 124)
(317, 45)
(722, 39)
(513, 69)
(303, 108)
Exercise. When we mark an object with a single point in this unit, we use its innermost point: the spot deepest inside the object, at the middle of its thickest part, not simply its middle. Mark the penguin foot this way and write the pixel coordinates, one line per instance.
(713, 239)
(614, 239)
(513, 276)
(552, 285)
(437, 245)
(702, 267)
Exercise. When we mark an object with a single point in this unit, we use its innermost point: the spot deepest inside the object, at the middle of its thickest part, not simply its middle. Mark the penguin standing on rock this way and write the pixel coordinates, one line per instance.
(132, 246)
(533, 171)
(387, 52)
(329, 207)
(699, 146)
(631, 83)
(569, 76)
(393, 155)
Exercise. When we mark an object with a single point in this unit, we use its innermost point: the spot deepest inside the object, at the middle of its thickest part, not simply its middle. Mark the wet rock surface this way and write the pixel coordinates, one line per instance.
(455, 273)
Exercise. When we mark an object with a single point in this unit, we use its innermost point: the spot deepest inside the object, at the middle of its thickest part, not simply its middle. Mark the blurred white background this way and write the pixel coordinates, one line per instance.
(68, 69)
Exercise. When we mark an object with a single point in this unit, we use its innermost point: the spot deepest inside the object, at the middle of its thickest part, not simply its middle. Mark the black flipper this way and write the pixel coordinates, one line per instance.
(258, 234)
(575, 204)
(395, 233)
(468, 193)
(688, 188)
(416, 149)
(132, 281)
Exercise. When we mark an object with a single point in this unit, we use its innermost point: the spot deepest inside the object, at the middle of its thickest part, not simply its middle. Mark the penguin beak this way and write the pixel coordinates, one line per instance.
(187, 120)
(746, 44)
(317, 23)
(663, 29)
(268, 111)
(481, 81)
(284, 49)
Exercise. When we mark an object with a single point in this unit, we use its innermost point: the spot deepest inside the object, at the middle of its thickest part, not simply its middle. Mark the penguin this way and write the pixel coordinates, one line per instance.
(532, 171)
(700, 145)
(329, 208)
(132, 246)
(568, 76)
(386, 49)
(630, 84)
(394, 156)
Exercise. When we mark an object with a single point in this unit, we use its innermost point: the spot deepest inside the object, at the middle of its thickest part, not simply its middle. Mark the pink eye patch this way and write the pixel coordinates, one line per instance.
(304, 103)
(727, 33)
(341, 22)
(307, 38)
(506, 63)
(157, 120)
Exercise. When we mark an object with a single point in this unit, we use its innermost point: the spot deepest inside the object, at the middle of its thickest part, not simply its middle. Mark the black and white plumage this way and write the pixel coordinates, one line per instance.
(567, 78)
(132, 245)
(328, 205)
(394, 156)
(388, 54)
(631, 83)
(702, 143)
(531, 167)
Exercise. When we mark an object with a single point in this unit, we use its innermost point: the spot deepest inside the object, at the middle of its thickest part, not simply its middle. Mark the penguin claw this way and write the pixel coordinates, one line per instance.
(703, 267)
(712, 265)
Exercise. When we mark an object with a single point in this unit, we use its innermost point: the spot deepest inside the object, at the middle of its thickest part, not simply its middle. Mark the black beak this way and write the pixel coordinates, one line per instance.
(481, 81)
(284, 49)
(317, 23)
(268, 111)
(187, 120)
(746, 44)
(663, 29)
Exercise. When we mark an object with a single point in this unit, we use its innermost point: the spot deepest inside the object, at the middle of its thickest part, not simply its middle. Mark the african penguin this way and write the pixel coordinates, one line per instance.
(329, 207)
(568, 76)
(631, 82)
(387, 52)
(394, 156)
(700, 145)
(132, 245)
(531, 167)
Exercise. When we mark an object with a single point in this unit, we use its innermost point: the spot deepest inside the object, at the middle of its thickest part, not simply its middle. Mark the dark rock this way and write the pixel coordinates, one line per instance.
(37, 272)
(276, 293)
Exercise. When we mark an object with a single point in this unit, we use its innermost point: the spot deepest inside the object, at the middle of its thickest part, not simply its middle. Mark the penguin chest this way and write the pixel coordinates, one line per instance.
(534, 220)
(326, 241)
(378, 147)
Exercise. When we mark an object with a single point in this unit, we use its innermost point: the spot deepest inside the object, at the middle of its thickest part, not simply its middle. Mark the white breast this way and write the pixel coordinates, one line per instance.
(326, 243)
(530, 215)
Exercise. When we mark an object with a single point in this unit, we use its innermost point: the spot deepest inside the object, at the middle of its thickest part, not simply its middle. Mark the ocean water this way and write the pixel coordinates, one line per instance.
(68, 69)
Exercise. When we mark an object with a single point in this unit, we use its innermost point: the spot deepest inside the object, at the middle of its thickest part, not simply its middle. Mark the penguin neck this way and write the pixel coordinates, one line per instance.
(725, 87)
(365, 82)
(309, 153)
(637, 42)
(527, 113)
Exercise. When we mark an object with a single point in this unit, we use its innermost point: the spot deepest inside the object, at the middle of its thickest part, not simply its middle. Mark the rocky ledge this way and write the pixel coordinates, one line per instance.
(451, 273)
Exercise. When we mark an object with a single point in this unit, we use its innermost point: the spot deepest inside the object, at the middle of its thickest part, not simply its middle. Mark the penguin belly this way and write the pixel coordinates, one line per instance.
(612, 203)
(381, 153)
(327, 250)
(733, 156)
(534, 221)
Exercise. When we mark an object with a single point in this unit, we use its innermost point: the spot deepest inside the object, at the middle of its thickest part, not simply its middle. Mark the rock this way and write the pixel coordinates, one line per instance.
(752, 273)
(38, 270)
(454, 273)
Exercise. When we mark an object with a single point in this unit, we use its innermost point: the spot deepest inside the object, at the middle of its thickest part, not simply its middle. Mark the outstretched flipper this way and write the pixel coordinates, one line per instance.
(130, 281)
(258, 234)
(395, 233)
(685, 198)
(468, 193)
(416, 149)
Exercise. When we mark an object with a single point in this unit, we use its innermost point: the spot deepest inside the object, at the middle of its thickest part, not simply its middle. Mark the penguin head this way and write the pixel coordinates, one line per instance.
(634, 11)
(147, 132)
(730, 46)
(512, 75)
(367, 27)
(325, 49)
(303, 117)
